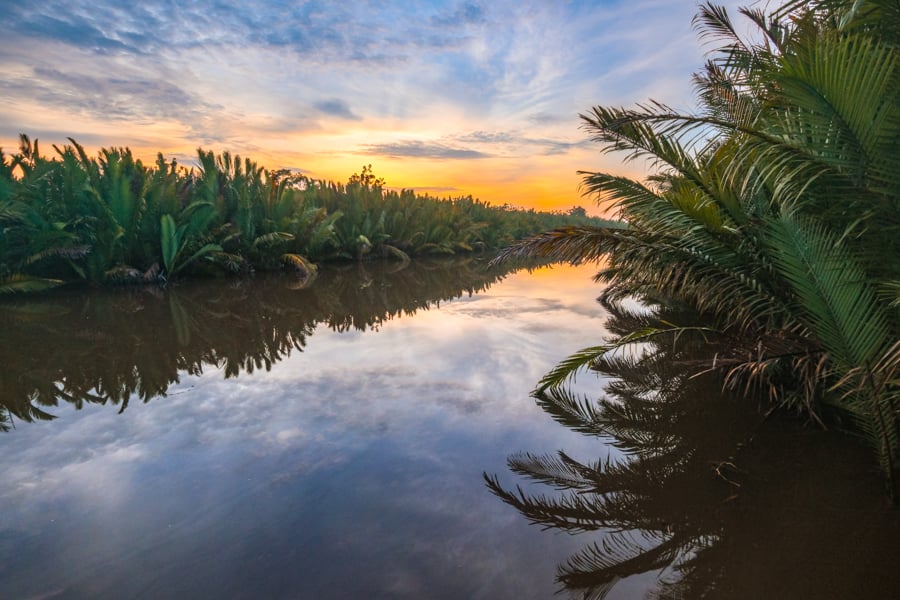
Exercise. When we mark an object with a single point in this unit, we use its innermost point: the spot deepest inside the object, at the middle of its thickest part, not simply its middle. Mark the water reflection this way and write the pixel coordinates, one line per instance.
(112, 345)
(350, 470)
(708, 499)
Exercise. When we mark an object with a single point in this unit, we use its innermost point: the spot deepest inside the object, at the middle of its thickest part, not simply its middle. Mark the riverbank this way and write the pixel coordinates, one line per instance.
(114, 220)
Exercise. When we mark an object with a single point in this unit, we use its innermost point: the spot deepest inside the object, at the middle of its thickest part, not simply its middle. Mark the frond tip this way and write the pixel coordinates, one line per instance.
(574, 244)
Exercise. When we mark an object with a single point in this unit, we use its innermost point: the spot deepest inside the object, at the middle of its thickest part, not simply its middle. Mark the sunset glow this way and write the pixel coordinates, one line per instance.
(449, 98)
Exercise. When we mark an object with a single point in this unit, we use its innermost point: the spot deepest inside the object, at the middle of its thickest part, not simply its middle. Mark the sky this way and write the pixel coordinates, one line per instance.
(447, 97)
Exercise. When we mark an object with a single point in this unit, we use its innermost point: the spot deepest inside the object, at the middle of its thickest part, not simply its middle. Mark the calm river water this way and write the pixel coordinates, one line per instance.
(364, 438)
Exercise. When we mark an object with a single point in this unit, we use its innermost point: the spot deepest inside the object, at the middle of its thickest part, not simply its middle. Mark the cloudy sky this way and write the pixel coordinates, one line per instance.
(451, 97)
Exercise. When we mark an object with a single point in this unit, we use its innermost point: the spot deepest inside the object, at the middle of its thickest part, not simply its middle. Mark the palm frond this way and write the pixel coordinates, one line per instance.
(618, 555)
(575, 413)
(20, 283)
(568, 244)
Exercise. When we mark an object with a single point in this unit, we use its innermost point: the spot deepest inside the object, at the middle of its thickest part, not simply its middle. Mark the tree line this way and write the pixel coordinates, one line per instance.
(71, 217)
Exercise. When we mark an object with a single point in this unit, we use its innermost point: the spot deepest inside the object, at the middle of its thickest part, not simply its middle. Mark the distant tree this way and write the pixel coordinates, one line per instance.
(366, 179)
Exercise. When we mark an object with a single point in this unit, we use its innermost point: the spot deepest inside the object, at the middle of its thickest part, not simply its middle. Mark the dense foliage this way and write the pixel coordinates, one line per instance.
(774, 210)
(72, 217)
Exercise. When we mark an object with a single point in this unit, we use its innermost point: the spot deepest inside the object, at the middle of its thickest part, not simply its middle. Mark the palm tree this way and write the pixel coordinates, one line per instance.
(773, 210)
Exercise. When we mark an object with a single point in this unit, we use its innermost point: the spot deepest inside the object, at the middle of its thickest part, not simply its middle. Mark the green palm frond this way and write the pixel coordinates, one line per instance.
(567, 369)
(299, 263)
(567, 244)
(843, 98)
(831, 289)
(842, 311)
(12, 211)
(275, 237)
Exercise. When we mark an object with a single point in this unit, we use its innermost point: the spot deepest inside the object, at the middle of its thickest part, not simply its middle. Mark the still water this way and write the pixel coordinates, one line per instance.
(364, 437)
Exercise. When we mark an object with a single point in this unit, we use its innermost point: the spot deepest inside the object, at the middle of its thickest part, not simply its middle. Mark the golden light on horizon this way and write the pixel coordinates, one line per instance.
(546, 184)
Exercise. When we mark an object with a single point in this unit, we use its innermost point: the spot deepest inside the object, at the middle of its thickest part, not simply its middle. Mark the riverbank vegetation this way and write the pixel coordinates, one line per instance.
(70, 217)
(773, 210)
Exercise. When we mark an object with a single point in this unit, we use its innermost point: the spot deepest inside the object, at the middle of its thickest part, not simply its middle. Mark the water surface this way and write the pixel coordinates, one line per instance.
(282, 443)
(251, 439)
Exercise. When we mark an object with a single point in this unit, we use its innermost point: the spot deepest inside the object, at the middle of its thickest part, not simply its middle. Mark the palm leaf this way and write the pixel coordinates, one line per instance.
(20, 283)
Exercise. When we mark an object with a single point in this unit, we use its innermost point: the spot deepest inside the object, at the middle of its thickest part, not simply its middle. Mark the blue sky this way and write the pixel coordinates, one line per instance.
(453, 97)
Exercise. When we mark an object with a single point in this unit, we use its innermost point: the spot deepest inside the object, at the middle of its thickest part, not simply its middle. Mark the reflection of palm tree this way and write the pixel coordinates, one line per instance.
(657, 505)
(676, 503)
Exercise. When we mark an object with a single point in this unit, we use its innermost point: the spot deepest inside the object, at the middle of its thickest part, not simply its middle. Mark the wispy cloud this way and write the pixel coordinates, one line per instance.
(516, 144)
(415, 149)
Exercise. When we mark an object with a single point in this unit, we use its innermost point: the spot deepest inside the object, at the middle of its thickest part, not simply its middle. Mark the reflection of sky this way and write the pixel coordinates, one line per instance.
(351, 469)
(456, 96)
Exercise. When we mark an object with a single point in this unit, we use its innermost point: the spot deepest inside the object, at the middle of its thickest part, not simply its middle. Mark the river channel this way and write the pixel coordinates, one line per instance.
(364, 437)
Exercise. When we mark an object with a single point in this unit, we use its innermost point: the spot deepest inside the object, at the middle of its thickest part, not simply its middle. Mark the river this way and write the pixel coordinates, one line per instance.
(261, 438)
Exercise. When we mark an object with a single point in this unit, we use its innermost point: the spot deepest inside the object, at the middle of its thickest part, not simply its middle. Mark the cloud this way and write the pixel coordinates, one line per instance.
(546, 118)
(77, 33)
(415, 149)
(466, 14)
(516, 144)
(111, 96)
(489, 137)
(456, 79)
(336, 108)
(100, 27)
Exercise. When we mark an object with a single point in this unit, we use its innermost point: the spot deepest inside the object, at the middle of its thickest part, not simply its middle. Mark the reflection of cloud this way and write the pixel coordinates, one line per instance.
(103, 480)
(352, 466)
